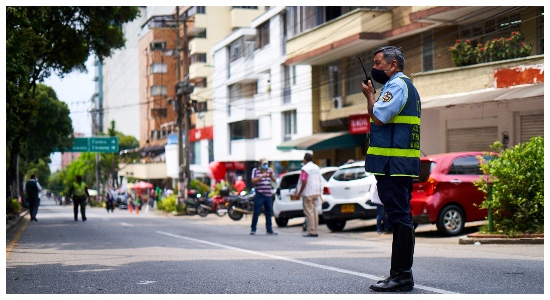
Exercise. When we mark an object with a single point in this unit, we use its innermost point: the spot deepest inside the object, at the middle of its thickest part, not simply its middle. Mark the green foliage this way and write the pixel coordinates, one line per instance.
(168, 204)
(199, 186)
(40, 168)
(15, 206)
(517, 178)
(463, 53)
(218, 187)
(41, 40)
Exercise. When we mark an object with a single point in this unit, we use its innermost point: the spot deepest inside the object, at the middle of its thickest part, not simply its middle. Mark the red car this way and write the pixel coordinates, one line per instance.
(444, 193)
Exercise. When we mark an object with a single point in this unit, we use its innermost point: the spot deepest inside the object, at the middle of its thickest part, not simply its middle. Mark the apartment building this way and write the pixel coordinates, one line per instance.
(205, 25)
(463, 107)
(258, 101)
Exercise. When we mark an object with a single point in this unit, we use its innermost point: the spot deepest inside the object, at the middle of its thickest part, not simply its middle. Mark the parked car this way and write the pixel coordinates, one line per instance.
(284, 208)
(121, 200)
(347, 196)
(444, 193)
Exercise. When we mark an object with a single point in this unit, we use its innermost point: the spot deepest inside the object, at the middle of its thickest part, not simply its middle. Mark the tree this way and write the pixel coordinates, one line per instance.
(41, 40)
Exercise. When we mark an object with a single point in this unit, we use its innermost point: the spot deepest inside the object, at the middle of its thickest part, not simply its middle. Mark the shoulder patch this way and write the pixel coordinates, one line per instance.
(387, 97)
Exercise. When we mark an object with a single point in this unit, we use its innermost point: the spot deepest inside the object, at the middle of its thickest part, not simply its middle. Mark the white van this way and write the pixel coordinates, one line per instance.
(284, 208)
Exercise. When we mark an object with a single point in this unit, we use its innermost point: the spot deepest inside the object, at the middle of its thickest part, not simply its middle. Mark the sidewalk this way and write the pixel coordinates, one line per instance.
(12, 222)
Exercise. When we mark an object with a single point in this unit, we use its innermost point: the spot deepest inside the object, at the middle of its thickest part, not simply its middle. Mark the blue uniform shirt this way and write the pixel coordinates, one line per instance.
(391, 100)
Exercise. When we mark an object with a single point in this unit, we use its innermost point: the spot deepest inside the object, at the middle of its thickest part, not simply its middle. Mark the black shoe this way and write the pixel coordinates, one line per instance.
(35, 220)
(76, 220)
(84, 219)
(271, 233)
(304, 227)
(252, 232)
(399, 283)
(310, 235)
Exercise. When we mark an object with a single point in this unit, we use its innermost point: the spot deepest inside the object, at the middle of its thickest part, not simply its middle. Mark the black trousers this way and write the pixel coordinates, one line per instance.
(79, 201)
(33, 208)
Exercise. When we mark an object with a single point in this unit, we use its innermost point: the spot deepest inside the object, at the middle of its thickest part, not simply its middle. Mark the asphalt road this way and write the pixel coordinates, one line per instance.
(153, 253)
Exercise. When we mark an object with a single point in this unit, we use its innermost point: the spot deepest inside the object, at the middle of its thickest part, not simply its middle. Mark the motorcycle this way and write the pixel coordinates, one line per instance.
(238, 206)
(218, 205)
(197, 205)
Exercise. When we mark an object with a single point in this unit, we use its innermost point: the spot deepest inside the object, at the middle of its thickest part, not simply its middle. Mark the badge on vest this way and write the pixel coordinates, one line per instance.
(387, 97)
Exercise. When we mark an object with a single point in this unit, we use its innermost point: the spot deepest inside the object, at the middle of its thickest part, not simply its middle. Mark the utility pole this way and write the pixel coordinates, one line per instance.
(183, 90)
(179, 106)
(187, 107)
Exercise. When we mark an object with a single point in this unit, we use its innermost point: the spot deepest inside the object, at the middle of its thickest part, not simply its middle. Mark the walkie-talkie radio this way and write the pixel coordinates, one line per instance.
(367, 75)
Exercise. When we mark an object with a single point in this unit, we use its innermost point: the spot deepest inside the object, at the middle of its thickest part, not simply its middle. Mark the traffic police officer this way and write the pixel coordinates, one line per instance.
(393, 157)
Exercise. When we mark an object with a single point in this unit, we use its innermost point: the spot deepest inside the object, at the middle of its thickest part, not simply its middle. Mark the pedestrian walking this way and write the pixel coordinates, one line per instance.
(32, 191)
(79, 193)
(310, 189)
(109, 201)
(393, 157)
(262, 178)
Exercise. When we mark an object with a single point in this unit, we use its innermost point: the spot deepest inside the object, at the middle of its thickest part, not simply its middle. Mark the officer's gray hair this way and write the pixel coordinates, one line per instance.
(392, 53)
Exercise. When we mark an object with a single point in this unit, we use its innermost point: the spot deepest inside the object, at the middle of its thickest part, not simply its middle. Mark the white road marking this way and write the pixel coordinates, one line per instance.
(146, 282)
(126, 224)
(373, 277)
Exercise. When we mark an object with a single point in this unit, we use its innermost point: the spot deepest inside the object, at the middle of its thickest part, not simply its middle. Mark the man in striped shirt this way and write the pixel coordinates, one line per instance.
(261, 179)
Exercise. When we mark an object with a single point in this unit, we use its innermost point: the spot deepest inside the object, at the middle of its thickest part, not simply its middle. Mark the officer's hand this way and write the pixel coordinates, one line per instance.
(367, 89)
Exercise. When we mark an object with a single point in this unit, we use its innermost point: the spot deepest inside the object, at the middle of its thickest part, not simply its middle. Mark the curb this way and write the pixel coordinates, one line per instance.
(16, 220)
(519, 241)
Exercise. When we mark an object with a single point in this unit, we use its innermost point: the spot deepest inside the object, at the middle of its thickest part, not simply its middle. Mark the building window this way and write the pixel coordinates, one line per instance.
(262, 35)
(497, 27)
(247, 129)
(197, 57)
(158, 90)
(246, 7)
(334, 80)
(210, 151)
(427, 51)
(286, 84)
(293, 75)
(201, 83)
(355, 76)
(289, 124)
(158, 112)
(158, 68)
(201, 34)
(196, 10)
(236, 50)
(158, 45)
(234, 91)
(196, 152)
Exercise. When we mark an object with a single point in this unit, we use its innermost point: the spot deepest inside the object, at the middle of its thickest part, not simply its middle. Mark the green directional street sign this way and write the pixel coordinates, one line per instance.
(103, 144)
(94, 144)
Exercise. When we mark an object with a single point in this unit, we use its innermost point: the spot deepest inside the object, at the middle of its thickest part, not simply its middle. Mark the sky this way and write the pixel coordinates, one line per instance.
(75, 89)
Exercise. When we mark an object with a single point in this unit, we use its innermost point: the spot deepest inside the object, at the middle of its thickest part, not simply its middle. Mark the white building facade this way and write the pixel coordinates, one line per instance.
(258, 102)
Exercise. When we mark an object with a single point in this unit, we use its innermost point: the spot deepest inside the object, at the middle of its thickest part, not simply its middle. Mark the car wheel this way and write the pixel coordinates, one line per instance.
(281, 222)
(451, 220)
(336, 225)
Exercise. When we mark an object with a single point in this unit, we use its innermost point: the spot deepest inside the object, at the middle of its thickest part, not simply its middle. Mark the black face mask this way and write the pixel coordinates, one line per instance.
(380, 76)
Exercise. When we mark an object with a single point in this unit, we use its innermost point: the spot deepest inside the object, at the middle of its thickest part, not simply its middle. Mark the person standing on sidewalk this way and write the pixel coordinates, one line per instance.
(262, 178)
(79, 193)
(311, 187)
(393, 157)
(32, 190)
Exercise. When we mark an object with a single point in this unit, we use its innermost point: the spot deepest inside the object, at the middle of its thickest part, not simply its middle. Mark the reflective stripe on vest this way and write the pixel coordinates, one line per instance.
(395, 146)
(79, 190)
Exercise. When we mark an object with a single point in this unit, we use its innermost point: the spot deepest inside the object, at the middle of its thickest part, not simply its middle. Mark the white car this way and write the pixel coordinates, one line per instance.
(284, 208)
(347, 196)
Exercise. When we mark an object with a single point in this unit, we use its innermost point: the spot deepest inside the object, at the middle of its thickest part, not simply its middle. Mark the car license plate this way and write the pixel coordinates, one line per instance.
(347, 208)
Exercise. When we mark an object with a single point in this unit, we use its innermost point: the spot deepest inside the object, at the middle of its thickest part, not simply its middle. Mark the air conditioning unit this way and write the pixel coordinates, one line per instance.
(337, 102)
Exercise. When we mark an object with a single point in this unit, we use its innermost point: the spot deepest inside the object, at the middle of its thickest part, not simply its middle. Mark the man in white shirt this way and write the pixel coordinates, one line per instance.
(311, 187)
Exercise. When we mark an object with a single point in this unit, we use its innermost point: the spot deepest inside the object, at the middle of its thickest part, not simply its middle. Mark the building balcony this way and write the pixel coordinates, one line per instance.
(240, 110)
(242, 150)
(199, 45)
(198, 71)
(242, 70)
(346, 35)
(499, 74)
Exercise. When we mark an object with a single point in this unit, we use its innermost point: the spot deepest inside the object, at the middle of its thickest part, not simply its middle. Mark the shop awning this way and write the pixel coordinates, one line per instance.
(489, 95)
(325, 141)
